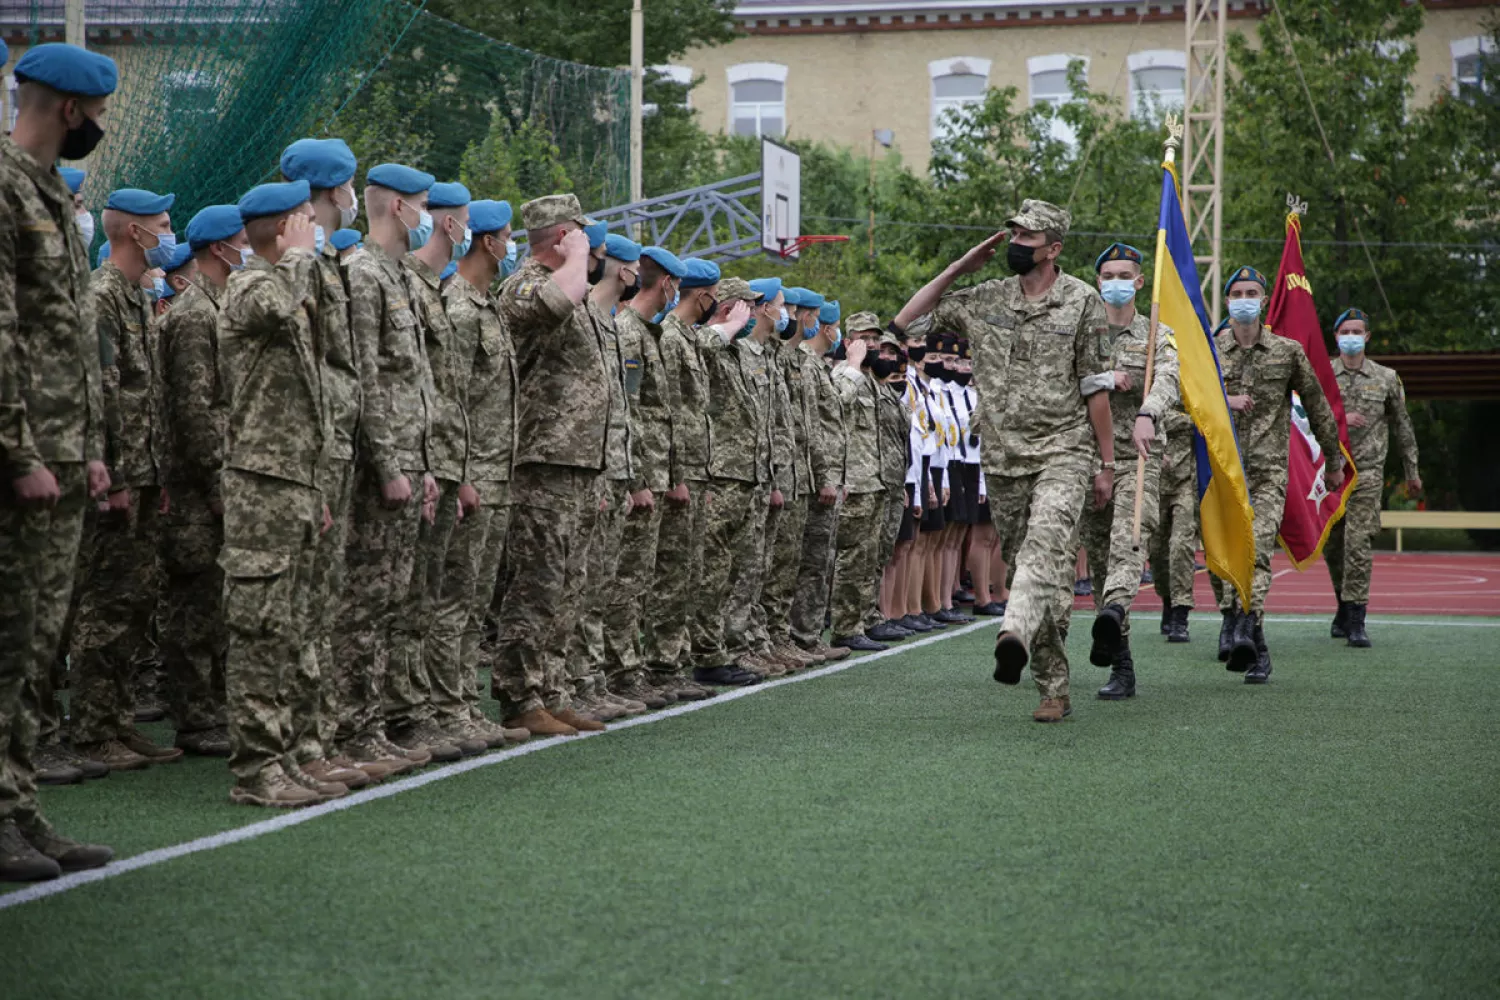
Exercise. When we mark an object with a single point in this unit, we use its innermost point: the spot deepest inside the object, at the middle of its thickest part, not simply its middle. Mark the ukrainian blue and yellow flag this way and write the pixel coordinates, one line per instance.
(1223, 498)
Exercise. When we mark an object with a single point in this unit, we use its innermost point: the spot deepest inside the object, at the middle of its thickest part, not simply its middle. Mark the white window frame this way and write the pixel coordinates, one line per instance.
(769, 71)
(1057, 62)
(956, 66)
(677, 74)
(1155, 59)
(1463, 48)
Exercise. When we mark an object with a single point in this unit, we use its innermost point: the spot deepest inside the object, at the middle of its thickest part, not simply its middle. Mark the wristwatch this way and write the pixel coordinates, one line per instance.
(1107, 465)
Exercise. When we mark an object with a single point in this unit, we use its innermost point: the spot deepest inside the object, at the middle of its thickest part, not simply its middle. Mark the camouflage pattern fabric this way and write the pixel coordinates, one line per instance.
(1114, 563)
(627, 599)
(856, 571)
(890, 528)
(619, 462)
(586, 648)
(651, 401)
(130, 355)
(1349, 548)
(1268, 497)
(493, 382)
(815, 574)
(317, 712)
(859, 394)
(728, 524)
(687, 392)
(670, 613)
(450, 360)
(784, 544)
(412, 682)
(342, 392)
(742, 632)
(1174, 543)
(489, 525)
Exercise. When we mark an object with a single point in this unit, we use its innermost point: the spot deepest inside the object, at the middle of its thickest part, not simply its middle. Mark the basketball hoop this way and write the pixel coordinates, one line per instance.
(789, 247)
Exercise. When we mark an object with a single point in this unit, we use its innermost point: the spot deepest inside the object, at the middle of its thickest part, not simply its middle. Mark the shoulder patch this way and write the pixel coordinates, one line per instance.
(526, 289)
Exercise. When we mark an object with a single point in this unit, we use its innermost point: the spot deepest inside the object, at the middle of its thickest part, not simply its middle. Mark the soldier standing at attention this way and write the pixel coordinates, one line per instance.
(1376, 406)
(561, 430)
(1261, 371)
(51, 421)
(1041, 368)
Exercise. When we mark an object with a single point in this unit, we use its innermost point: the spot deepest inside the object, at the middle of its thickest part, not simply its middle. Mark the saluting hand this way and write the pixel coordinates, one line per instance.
(979, 256)
(856, 352)
(574, 244)
(296, 231)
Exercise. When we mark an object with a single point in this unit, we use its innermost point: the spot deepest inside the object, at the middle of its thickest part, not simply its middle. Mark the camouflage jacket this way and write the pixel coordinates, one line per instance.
(739, 406)
(686, 375)
(1178, 463)
(393, 372)
(618, 461)
(789, 463)
(565, 400)
(1128, 355)
(861, 395)
(895, 433)
(450, 362)
(197, 410)
(490, 398)
(651, 403)
(1375, 392)
(827, 442)
(336, 344)
(272, 372)
(51, 397)
(1269, 371)
(135, 447)
(1035, 361)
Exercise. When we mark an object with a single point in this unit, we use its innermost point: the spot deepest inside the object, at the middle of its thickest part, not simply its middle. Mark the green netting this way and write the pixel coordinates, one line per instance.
(212, 90)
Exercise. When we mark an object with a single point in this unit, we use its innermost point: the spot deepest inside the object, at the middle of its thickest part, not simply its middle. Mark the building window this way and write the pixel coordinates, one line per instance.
(1473, 63)
(674, 79)
(1049, 85)
(757, 99)
(956, 84)
(1156, 82)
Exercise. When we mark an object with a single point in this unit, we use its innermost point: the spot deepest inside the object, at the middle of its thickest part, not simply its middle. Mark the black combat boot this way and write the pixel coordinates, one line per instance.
(1166, 619)
(1355, 624)
(1242, 646)
(1121, 677)
(1339, 628)
(1226, 633)
(1178, 630)
(1108, 630)
(1261, 672)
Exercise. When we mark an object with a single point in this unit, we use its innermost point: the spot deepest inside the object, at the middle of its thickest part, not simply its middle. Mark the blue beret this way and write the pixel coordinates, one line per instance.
(69, 69)
(449, 271)
(403, 180)
(766, 288)
(1117, 251)
(73, 177)
(667, 259)
(1349, 314)
(448, 194)
(273, 199)
(212, 224)
(699, 273)
(135, 201)
(1223, 325)
(1244, 274)
(596, 231)
(104, 251)
(181, 255)
(621, 248)
(811, 299)
(793, 295)
(343, 239)
(323, 163)
(829, 312)
(489, 216)
(167, 292)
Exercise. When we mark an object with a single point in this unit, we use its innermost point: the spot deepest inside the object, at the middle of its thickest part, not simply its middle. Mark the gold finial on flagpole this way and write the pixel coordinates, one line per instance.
(1295, 205)
(1173, 125)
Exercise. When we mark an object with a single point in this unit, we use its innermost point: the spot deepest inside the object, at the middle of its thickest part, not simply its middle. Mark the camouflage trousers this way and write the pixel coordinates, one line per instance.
(1175, 541)
(38, 552)
(890, 528)
(271, 531)
(1114, 563)
(316, 709)
(193, 640)
(815, 573)
(1348, 549)
(669, 614)
(377, 566)
(544, 542)
(415, 682)
(1036, 517)
(856, 567)
(733, 565)
(483, 539)
(626, 601)
(589, 594)
(1268, 497)
(117, 597)
(784, 560)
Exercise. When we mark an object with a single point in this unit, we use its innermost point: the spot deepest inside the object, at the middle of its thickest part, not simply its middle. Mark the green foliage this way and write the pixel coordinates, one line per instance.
(382, 128)
(514, 164)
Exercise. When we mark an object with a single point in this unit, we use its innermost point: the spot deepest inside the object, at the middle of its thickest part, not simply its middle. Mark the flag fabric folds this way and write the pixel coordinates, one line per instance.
(1311, 511)
(1227, 522)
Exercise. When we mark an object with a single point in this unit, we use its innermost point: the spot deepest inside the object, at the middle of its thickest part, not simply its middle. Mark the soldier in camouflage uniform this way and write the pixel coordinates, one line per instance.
(192, 629)
(51, 422)
(1174, 543)
(895, 425)
(1261, 371)
(1041, 370)
(392, 482)
(561, 434)
(118, 589)
(1115, 563)
(1375, 403)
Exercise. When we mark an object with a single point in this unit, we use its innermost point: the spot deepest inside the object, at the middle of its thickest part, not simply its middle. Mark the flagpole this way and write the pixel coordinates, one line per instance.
(1174, 136)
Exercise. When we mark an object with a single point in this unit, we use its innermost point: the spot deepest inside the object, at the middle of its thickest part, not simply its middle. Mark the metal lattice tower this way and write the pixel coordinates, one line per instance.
(1203, 141)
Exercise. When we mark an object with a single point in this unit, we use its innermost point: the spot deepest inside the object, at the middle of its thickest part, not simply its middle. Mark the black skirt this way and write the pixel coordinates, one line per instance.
(908, 523)
(932, 517)
(968, 475)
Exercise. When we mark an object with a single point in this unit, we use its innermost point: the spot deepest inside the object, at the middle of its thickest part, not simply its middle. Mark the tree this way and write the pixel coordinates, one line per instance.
(515, 165)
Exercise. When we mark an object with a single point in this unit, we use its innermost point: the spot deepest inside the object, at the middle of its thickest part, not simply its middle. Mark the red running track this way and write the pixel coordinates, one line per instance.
(1414, 583)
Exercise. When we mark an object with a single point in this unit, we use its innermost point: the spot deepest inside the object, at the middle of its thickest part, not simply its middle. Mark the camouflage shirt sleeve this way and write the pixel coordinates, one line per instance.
(1165, 390)
(196, 410)
(1399, 421)
(1325, 425)
(18, 451)
(673, 371)
(111, 332)
(366, 299)
(1091, 363)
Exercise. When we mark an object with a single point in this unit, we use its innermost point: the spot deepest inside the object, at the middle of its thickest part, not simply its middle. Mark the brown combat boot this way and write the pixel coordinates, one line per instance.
(114, 755)
(137, 741)
(19, 861)
(1053, 710)
(683, 689)
(633, 687)
(582, 723)
(272, 789)
(369, 756)
(417, 757)
(326, 789)
(789, 652)
(376, 770)
(540, 722)
(70, 855)
(326, 770)
(592, 707)
(829, 653)
(629, 705)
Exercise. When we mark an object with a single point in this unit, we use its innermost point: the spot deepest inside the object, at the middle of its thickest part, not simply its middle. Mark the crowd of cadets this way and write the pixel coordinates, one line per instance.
(335, 480)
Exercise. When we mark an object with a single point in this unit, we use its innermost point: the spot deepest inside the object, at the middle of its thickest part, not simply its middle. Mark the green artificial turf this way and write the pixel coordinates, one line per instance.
(900, 829)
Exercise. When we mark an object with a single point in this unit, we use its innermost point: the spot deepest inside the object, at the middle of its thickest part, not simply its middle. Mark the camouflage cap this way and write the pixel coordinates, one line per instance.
(889, 339)
(549, 210)
(736, 288)
(862, 321)
(1041, 216)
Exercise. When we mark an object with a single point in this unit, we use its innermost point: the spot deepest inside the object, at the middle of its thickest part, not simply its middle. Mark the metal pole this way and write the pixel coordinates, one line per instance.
(73, 26)
(637, 71)
(1203, 141)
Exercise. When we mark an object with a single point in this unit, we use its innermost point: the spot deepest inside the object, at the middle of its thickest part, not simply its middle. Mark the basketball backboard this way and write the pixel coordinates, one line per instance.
(780, 196)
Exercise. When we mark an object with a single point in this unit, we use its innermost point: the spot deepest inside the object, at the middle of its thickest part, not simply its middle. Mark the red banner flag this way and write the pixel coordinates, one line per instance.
(1310, 509)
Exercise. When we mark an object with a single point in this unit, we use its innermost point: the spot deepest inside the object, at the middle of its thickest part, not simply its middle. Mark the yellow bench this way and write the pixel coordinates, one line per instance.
(1469, 519)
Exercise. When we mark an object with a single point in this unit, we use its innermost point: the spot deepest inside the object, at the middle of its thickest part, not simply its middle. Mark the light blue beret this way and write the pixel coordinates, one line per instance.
(212, 224)
(343, 239)
(829, 312)
(766, 288)
(596, 231)
(667, 259)
(401, 179)
(622, 248)
(136, 201)
(273, 199)
(69, 69)
(448, 194)
(323, 163)
(182, 253)
(73, 177)
(449, 271)
(699, 273)
(489, 216)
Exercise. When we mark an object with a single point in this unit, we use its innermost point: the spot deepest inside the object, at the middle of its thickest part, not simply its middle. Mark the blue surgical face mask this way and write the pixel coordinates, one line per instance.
(512, 253)
(417, 238)
(158, 288)
(1351, 343)
(809, 332)
(1117, 291)
(783, 321)
(319, 238)
(1244, 310)
(245, 254)
(838, 338)
(459, 249)
(161, 254)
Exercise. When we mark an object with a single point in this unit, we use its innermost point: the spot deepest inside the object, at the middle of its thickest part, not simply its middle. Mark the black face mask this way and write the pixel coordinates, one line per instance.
(963, 378)
(1021, 260)
(596, 270)
(631, 289)
(934, 369)
(838, 353)
(80, 142)
(882, 368)
(708, 313)
(917, 353)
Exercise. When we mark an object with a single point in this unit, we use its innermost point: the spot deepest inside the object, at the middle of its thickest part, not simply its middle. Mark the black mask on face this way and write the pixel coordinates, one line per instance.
(917, 352)
(80, 142)
(839, 353)
(596, 270)
(708, 312)
(963, 378)
(631, 289)
(934, 369)
(882, 368)
(1020, 259)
